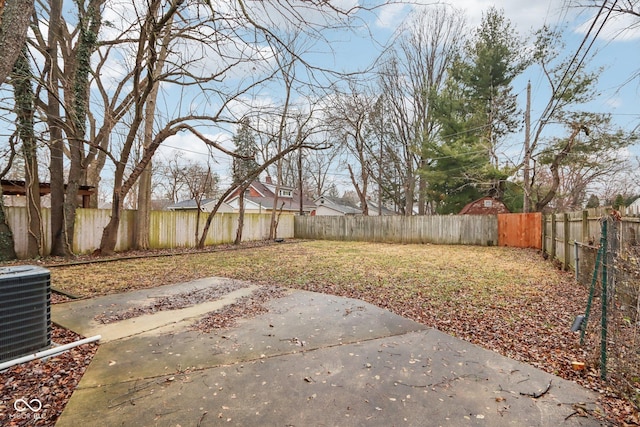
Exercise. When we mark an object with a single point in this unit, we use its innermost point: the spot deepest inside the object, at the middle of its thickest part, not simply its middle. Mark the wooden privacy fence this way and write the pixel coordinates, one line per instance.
(520, 230)
(571, 234)
(483, 230)
(168, 229)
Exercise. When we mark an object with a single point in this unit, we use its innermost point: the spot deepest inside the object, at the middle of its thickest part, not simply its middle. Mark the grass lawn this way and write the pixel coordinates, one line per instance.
(501, 298)
(508, 300)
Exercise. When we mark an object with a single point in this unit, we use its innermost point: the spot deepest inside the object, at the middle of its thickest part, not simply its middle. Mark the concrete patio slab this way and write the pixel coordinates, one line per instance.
(312, 360)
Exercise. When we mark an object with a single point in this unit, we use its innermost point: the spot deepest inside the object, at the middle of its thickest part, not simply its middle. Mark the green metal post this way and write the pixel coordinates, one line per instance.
(594, 279)
(603, 339)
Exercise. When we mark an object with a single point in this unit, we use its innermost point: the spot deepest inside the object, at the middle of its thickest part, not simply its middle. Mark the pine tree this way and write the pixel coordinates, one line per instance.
(475, 111)
(245, 143)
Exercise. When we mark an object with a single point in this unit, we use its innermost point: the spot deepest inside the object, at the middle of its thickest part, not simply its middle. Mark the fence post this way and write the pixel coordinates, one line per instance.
(545, 249)
(585, 226)
(565, 241)
(553, 237)
(603, 327)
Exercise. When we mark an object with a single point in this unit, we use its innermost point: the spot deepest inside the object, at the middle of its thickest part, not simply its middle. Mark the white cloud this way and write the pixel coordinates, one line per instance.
(525, 15)
(192, 148)
(614, 102)
(620, 27)
(391, 16)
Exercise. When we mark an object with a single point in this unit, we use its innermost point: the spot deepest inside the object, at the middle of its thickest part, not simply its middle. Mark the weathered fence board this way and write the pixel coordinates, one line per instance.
(520, 230)
(167, 229)
(438, 229)
(578, 233)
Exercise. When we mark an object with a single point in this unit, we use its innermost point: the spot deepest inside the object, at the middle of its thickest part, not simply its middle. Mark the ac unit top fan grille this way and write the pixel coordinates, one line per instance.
(25, 311)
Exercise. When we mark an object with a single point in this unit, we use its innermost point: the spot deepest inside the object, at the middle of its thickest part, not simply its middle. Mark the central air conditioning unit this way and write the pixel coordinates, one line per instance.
(25, 311)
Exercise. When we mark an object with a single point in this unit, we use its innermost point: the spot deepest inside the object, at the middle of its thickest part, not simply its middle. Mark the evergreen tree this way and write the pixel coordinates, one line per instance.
(593, 202)
(475, 111)
(245, 143)
(618, 202)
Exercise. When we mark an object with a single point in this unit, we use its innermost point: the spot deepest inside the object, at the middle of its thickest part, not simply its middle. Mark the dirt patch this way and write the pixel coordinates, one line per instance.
(246, 308)
(174, 302)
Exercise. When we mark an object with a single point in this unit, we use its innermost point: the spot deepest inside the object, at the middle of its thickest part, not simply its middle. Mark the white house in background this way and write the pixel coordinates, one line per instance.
(206, 205)
(260, 197)
(634, 207)
(334, 206)
(373, 209)
(329, 206)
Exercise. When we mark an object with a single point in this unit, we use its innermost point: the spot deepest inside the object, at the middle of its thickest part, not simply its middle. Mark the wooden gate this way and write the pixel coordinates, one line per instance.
(520, 230)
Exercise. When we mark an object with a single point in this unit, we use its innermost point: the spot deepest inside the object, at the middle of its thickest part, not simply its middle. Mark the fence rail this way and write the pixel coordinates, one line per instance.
(167, 229)
(569, 235)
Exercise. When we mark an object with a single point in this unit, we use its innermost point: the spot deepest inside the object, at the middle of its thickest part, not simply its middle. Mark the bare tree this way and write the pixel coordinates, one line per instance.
(99, 80)
(144, 185)
(348, 115)
(571, 87)
(317, 166)
(409, 76)
(65, 78)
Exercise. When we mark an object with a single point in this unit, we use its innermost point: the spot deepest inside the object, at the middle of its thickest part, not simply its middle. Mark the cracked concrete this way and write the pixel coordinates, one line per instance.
(313, 359)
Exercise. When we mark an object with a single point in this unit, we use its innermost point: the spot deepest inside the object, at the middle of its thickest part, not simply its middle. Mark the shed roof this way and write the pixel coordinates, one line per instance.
(485, 206)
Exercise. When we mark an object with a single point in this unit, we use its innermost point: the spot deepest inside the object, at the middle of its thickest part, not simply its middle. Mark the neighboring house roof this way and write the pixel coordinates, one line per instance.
(335, 206)
(484, 206)
(206, 205)
(160, 204)
(261, 195)
(373, 209)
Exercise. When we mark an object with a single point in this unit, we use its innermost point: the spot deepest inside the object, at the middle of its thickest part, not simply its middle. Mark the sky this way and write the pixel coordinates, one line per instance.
(614, 49)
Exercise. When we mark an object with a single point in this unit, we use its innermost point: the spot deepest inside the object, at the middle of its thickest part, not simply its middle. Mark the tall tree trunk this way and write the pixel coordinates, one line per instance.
(14, 22)
(152, 28)
(7, 249)
(238, 239)
(110, 231)
(273, 224)
(56, 143)
(144, 184)
(87, 43)
(143, 213)
(24, 99)
(409, 192)
(362, 192)
(526, 204)
(422, 190)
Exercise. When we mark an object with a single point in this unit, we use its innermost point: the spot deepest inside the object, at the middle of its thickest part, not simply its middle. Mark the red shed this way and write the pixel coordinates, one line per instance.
(485, 206)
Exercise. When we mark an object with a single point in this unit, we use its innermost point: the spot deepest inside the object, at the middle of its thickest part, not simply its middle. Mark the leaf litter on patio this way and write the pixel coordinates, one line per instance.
(507, 300)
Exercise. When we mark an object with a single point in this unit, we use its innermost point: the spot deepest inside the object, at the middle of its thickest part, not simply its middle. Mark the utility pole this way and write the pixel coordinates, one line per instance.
(526, 205)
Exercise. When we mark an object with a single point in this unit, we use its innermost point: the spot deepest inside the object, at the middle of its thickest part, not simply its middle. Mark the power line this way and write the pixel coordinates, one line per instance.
(555, 97)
